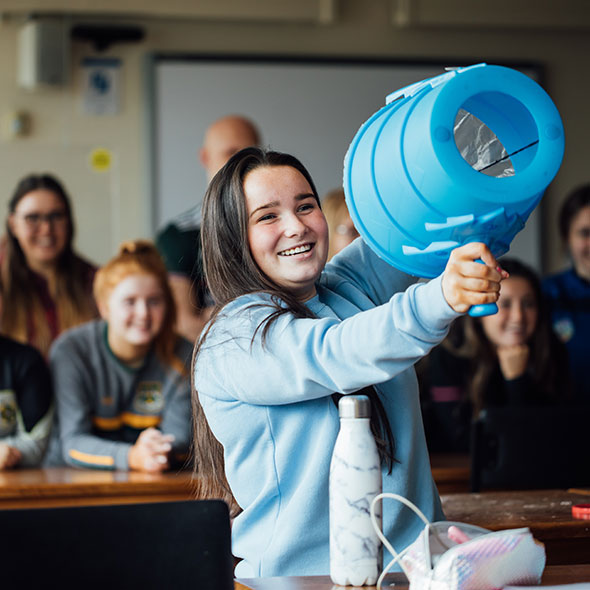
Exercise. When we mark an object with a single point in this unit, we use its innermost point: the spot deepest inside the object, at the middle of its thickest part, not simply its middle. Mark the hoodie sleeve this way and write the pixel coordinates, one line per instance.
(305, 359)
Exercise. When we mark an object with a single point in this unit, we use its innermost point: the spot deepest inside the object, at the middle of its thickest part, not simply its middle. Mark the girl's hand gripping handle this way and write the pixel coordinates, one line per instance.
(472, 279)
(478, 311)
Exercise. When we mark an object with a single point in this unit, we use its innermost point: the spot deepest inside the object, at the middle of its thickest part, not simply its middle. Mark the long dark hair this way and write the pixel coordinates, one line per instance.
(468, 339)
(231, 272)
(71, 289)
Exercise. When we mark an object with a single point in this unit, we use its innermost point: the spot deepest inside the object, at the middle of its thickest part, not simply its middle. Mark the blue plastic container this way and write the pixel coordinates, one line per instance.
(414, 197)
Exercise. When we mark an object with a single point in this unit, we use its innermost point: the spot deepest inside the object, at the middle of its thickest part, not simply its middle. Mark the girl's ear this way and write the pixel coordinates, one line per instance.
(10, 221)
(204, 157)
(103, 309)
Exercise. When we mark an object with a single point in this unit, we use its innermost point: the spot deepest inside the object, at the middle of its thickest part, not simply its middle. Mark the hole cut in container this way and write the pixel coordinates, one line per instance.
(480, 147)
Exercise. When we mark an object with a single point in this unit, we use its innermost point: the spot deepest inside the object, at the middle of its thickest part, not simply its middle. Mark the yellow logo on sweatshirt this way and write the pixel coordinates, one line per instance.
(148, 398)
(8, 411)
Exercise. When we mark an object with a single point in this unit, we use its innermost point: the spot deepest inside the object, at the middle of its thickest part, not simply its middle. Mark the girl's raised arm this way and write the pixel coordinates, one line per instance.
(306, 359)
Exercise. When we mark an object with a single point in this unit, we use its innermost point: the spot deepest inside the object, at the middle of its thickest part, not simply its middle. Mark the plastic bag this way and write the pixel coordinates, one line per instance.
(460, 556)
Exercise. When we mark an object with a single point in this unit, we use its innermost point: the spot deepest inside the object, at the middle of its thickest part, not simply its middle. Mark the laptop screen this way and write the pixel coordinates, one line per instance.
(161, 545)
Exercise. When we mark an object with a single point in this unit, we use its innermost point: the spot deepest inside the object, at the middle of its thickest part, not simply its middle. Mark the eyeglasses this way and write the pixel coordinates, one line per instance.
(34, 220)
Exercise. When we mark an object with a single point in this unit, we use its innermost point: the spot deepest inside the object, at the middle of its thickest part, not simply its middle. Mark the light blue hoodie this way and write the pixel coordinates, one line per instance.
(270, 407)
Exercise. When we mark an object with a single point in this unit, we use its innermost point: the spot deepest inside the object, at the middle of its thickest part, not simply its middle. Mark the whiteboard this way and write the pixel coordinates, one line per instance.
(309, 108)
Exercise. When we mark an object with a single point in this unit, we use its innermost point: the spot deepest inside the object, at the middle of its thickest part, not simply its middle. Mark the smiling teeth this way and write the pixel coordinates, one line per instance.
(297, 250)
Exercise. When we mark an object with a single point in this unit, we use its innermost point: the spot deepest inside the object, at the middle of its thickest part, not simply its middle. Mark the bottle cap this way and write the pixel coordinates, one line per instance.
(354, 406)
(581, 511)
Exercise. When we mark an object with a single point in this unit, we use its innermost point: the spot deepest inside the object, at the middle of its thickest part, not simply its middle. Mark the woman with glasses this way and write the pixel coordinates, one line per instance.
(47, 286)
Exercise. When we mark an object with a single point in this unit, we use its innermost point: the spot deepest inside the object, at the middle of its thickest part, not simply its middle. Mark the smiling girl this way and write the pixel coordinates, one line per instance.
(121, 383)
(290, 335)
(510, 358)
(47, 286)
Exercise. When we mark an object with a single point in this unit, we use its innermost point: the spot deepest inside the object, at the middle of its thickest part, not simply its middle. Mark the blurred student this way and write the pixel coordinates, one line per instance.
(25, 402)
(180, 243)
(509, 358)
(121, 382)
(47, 286)
(569, 292)
(341, 229)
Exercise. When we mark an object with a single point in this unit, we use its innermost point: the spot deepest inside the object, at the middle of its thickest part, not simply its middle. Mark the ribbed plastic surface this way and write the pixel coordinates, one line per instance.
(414, 196)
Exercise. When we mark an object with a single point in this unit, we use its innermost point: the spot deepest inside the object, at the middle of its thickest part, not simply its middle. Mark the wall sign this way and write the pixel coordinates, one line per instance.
(101, 81)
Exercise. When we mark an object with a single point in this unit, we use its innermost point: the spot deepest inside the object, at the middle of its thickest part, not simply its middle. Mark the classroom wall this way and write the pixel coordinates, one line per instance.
(113, 205)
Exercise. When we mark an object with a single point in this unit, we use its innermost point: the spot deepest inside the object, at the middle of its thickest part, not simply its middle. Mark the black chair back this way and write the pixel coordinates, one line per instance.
(530, 448)
(163, 545)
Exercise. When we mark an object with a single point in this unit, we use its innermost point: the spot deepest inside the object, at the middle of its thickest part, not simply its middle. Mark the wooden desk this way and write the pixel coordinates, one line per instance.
(64, 486)
(548, 513)
(450, 472)
(556, 574)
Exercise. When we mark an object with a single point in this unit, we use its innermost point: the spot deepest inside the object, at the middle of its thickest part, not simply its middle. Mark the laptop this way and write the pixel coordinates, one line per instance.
(160, 545)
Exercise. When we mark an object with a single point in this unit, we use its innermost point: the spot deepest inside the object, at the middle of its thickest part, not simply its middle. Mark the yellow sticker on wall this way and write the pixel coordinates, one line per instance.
(100, 159)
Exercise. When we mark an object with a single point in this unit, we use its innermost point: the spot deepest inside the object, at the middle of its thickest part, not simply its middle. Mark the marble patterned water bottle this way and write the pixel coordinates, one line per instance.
(355, 479)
